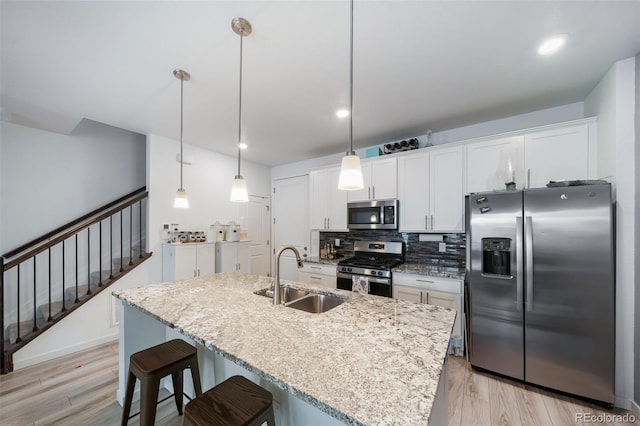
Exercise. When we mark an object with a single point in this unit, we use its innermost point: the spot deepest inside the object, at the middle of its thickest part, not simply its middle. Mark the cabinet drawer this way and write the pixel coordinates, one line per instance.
(317, 279)
(427, 282)
(319, 269)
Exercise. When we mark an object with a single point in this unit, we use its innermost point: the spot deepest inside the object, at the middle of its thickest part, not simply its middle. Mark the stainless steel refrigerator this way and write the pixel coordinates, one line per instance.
(541, 287)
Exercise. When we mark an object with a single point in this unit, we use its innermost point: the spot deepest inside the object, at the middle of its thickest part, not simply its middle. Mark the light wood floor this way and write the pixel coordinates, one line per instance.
(80, 389)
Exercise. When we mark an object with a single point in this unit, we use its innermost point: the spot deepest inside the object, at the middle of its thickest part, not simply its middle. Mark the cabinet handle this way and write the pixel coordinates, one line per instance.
(315, 278)
(432, 222)
(424, 281)
(369, 192)
(315, 267)
(328, 223)
(426, 298)
(421, 297)
(426, 221)
(528, 178)
(374, 192)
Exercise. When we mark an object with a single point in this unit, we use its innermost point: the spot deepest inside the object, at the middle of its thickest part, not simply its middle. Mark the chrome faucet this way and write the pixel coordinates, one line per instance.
(276, 279)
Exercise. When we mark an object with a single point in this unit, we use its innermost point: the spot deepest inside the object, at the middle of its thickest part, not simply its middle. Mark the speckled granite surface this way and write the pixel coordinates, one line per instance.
(434, 271)
(369, 361)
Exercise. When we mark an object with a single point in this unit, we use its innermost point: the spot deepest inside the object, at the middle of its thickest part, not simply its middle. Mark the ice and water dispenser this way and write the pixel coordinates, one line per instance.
(496, 256)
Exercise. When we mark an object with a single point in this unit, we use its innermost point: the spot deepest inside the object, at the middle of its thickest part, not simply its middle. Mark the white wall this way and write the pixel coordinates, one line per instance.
(207, 182)
(614, 100)
(637, 249)
(49, 179)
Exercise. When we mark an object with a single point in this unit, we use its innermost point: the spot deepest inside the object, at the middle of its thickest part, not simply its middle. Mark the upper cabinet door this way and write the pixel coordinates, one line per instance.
(318, 198)
(413, 192)
(384, 178)
(336, 202)
(446, 190)
(493, 163)
(558, 154)
(363, 194)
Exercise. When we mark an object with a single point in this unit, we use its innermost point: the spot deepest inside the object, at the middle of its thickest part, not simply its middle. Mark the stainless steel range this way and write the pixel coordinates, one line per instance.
(373, 260)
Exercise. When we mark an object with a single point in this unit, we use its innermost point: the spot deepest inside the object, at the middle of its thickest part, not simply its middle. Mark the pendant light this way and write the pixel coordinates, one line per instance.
(181, 201)
(351, 171)
(239, 193)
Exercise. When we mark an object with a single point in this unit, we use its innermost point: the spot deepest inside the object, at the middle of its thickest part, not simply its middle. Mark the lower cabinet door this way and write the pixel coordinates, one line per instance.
(410, 294)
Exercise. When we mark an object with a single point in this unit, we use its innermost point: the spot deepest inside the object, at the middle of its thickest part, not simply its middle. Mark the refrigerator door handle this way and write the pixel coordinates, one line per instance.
(519, 262)
(528, 229)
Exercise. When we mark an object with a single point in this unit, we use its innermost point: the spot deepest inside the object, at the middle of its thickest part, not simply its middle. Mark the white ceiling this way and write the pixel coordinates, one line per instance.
(418, 65)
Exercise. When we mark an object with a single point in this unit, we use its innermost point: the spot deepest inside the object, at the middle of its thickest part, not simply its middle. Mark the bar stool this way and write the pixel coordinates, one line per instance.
(235, 402)
(150, 366)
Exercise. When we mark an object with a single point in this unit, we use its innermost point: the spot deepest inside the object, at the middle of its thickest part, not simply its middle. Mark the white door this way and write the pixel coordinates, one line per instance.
(259, 216)
(384, 177)
(290, 221)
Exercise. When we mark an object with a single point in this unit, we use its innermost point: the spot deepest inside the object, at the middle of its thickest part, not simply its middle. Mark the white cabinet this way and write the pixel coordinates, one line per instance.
(431, 190)
(380, 180)
(318, 274)
(443, 292)
(563, 153)
(488, 164)
(183, 261)
(328, 203)
(233, 256)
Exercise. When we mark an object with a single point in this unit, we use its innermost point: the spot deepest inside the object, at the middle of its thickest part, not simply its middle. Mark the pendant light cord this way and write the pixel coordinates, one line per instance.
(240, 104)
(351, 152)
(181, 124)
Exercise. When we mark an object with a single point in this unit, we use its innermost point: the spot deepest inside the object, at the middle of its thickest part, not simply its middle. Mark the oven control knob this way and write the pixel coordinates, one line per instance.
(349, 269)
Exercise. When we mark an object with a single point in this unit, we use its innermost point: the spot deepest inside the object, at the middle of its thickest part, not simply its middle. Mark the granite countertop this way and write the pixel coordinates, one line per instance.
(431, 270)
(316, 259)
(370, 361)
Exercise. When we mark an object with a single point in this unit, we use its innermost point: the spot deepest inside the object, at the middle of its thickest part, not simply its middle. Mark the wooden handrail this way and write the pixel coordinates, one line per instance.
(73, 228)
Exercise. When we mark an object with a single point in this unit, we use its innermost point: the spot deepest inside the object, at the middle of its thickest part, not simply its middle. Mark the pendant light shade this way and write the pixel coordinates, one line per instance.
(239, 193)
(181, 201)
(351, 171)
(239, 190)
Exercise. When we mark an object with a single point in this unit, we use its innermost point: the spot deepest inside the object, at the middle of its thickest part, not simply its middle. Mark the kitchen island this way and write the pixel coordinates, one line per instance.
(368, 361)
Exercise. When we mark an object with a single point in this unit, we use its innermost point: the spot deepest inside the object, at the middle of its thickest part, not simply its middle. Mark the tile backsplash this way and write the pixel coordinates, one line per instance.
(416, 251)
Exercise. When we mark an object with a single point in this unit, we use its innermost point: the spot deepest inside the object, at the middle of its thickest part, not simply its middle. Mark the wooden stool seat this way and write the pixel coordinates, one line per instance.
(150, 366)
(235, 402)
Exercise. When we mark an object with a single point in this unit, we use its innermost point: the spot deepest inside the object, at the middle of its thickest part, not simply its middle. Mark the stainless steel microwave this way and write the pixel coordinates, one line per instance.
(381, 214)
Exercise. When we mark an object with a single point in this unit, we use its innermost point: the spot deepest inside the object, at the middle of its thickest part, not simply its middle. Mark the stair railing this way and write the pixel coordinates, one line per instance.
(62, 240)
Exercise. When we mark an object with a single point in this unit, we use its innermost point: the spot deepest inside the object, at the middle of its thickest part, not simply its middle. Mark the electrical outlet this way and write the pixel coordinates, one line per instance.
(442, 247)
(337, 242)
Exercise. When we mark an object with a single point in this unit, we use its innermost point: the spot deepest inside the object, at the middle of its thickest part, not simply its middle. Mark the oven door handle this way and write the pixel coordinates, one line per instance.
(371, 279)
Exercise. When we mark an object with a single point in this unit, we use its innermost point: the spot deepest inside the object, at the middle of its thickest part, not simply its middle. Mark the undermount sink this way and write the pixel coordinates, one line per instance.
(316, 303)
(287, 294)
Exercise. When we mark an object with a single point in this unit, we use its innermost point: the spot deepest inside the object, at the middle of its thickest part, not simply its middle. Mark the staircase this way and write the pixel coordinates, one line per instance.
(48, 278)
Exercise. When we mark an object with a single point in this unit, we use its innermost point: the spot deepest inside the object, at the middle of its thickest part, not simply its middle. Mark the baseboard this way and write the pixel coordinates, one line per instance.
(48, 356)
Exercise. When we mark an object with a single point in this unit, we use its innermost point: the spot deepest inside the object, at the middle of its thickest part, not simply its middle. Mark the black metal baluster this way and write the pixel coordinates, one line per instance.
(77, 300)
(49, 318)
(18, 338)
(88, 260)
(140, 242)
(35, 326)
(131, 235)
(64, 279)
(111, 247)
(121, 253)
(100, 257)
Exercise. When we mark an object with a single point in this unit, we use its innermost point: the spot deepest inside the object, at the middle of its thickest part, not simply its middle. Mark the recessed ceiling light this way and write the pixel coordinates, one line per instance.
(242, 145)
(342, 113)
(552, 45)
